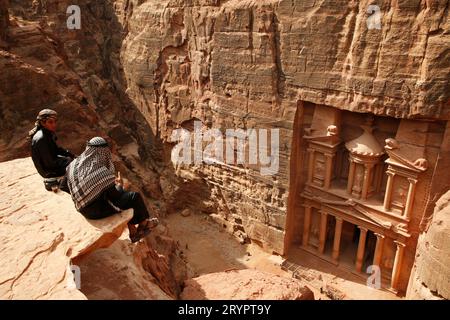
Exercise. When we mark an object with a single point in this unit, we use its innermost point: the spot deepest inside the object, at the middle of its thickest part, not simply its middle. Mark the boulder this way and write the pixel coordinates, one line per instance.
(245, 284)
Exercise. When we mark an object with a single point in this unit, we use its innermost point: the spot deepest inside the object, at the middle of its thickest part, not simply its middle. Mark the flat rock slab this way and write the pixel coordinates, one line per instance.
(247, 284)
(41, 234)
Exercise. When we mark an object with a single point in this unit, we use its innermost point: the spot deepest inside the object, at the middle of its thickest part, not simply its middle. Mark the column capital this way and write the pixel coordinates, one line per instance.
(390, 173)
(399, 244)
(363, 229)
(412, 180)
(339, 219)
(379, 235)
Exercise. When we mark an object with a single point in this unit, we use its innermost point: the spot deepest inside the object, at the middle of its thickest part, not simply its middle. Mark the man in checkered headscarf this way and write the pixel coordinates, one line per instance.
(91, 173)
(97, 193)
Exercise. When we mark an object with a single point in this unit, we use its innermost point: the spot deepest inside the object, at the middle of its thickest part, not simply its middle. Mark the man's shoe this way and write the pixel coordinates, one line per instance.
(153, 223)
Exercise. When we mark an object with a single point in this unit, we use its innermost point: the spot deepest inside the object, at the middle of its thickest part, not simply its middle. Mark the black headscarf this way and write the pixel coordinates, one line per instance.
(42, 116)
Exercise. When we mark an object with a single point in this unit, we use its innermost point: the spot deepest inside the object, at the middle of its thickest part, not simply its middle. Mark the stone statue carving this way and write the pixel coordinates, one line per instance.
(391, 144)
(332, 131)
(421, 164)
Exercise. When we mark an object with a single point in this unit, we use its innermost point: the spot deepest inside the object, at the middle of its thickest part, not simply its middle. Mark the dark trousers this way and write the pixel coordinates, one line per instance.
(101, 208)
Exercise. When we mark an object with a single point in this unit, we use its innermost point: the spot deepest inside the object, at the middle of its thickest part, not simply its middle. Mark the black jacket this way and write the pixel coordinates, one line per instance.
(49, 159)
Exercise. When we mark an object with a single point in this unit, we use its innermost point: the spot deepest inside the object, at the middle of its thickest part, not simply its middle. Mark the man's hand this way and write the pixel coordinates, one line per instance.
(126, 184)
(119, 180)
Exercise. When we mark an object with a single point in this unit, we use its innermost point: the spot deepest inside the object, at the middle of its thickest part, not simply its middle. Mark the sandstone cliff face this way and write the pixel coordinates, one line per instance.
(77, 73)
(249, 64)
(231, 64)
(430, 277)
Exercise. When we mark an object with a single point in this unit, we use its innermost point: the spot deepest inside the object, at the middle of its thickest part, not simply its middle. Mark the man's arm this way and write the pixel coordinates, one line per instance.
(64, 152)
(63, 185)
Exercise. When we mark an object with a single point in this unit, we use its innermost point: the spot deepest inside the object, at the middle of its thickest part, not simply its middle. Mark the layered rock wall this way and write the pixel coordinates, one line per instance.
(251, 64)
(229, 64)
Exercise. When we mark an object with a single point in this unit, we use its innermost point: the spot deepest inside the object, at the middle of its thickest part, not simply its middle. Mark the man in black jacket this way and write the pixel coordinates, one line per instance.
(49, 159)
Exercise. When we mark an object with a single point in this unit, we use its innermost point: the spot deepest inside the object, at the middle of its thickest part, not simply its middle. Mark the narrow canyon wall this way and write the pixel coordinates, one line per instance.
(137, 70)
(250, 64)
(230, 65)
(77, 73)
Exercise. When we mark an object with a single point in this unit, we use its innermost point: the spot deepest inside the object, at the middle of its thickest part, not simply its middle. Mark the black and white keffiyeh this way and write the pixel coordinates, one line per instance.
(91, 173)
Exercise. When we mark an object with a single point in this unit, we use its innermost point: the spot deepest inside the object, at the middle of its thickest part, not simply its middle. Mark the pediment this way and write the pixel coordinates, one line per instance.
(397, 160)
(331, 141)
(354, 209)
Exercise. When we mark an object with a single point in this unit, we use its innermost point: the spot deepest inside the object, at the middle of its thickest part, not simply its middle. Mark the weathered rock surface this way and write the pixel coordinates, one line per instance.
(33, 59)
(4, 19)
(248, 64)
(160, 256)
(430, 277)
(41, 235)
(116, 273)
(230, 64)
(245, 284)
(45, 65)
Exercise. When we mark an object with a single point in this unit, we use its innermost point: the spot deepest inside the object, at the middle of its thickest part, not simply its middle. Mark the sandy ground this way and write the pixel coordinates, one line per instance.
(209, 248)
(323, 274)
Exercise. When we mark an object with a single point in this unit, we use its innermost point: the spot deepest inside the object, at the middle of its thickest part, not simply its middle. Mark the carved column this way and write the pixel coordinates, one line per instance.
(410, 197)
(328, 169)
(397, 264)
(388, 194)
(366, 183)
(337, 238)
(361, 248)
(378, 250)
(306, 226)
(351, 176)
(323, 231)
(311, 165)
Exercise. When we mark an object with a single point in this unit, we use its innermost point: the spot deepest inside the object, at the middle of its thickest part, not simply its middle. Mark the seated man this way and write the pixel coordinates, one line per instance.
(96, 192)
(49, 159)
